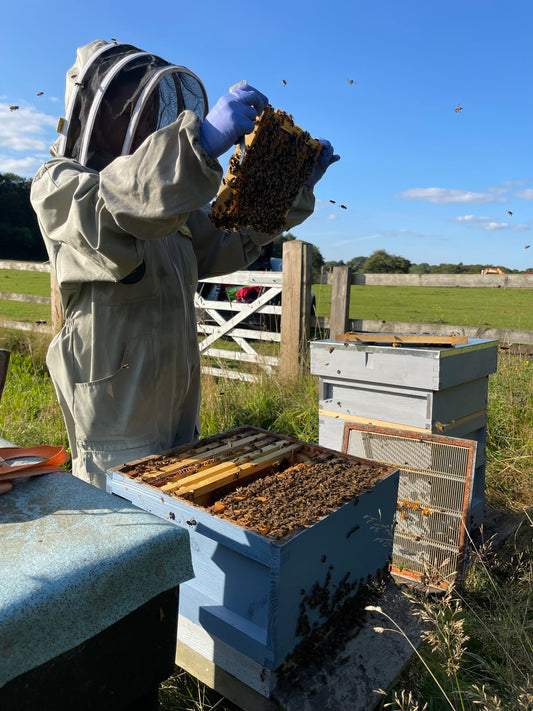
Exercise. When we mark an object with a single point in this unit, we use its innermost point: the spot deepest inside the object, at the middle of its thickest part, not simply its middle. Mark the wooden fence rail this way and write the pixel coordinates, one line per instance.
(341, 279)
(230, 319)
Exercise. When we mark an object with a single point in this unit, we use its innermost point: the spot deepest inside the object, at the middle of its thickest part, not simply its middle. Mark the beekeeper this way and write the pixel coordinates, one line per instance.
(122, 209)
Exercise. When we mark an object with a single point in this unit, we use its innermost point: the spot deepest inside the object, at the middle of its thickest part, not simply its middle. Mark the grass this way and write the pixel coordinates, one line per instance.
(481, 307)
(478, 652)
(19, 281)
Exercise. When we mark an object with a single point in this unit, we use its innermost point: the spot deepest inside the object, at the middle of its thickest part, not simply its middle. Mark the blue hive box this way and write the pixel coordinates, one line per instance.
(254, 599)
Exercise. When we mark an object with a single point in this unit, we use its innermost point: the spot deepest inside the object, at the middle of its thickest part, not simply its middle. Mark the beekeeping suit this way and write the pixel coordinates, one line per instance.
(122, 209)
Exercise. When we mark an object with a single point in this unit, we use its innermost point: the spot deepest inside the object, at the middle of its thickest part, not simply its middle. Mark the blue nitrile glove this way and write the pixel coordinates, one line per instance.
(325, 158)
(231, 118)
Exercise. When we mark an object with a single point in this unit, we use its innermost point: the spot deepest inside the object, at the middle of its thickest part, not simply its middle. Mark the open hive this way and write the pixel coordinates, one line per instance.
(259, 188)
(283, 535)
(274, 485)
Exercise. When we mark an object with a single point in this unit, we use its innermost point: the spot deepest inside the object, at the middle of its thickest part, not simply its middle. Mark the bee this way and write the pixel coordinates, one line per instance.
(458, 109)
(73, 76)
(40, 93)
(14, 108)
(113, 39)
(527, 246)
(344, 207)
(79, 83)
(351, 81)
(509, 213)
(333, 201)
(284, 82)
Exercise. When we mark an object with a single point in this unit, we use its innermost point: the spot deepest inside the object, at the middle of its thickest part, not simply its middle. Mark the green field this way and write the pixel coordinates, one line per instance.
(22, 282)
(489, 307)
(483, 307)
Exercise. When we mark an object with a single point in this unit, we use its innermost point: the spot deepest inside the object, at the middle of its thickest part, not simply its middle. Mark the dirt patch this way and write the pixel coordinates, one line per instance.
(296, 497)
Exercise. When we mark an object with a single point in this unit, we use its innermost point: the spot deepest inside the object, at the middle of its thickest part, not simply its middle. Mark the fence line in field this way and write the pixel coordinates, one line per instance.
(294, 284)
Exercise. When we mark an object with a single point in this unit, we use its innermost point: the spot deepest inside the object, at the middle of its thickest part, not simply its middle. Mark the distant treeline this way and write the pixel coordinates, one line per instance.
(20, 239)
(380, 262)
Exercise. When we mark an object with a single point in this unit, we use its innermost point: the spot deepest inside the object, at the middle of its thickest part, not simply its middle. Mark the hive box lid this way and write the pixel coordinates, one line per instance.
(431, 368)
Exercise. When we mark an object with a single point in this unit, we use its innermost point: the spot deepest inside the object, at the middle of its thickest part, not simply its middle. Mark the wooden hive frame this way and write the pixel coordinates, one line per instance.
(258, 191)
(195, 474)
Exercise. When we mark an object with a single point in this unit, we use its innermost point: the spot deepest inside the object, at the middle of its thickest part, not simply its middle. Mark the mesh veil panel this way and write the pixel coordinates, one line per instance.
(116, 100)
(174, 92)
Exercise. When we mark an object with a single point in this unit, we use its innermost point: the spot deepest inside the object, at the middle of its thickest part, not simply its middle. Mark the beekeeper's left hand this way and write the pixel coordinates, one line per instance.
(325, 158)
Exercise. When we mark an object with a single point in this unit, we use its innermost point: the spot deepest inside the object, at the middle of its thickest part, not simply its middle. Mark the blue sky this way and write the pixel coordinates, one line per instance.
(419, 179)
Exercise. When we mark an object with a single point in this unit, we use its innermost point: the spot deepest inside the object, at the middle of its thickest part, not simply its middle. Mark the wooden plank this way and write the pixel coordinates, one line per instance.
(24, 266)
(244, 357)
(243, 333)
(210, 451)
(29, 298)
(401, 339)
(230, 374)
(248, 277)
(244, 458)
(239, 473)
(214, 461)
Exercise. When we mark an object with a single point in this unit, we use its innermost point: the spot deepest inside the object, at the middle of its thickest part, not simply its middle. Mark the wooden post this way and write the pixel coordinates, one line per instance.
(296, 308)
(55, 306)
(340, 300)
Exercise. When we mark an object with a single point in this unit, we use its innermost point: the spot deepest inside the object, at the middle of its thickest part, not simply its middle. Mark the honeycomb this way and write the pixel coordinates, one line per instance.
(258, 191)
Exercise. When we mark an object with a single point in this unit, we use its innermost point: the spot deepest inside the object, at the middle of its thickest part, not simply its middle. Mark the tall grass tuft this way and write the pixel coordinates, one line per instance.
(510, 431)
(269, 403)
(29, 412)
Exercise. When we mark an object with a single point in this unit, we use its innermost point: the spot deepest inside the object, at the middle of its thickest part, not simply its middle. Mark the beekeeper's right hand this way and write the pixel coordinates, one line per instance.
(231, 118)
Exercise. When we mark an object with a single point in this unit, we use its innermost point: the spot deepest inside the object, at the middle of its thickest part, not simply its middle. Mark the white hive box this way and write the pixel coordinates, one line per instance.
(440, 390)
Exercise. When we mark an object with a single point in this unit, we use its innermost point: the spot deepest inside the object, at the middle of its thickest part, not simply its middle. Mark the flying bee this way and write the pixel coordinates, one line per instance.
(284, 82)
(333, 201)
(509, 212)
(351, 81)
(73, 76)
(527, 246)
(79, 83)
(40, 93)
(458, 109)
(14, 108)
(344, 207)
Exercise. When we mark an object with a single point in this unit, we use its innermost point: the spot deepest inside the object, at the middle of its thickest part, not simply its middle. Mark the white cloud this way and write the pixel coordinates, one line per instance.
(488, 223)
(470, 218)
(489, 226)
(446, 196)
(525, 194)
(25, 129)
(24, 167)
(332, 217)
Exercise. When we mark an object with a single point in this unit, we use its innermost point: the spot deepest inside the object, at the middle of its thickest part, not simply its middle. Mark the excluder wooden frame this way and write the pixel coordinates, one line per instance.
(260, 187)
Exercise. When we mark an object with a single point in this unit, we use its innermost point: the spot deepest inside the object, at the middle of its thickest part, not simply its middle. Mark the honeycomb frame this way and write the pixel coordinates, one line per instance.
(258, 191)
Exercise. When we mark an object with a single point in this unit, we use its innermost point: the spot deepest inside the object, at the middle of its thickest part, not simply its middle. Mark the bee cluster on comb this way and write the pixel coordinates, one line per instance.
(258, 191)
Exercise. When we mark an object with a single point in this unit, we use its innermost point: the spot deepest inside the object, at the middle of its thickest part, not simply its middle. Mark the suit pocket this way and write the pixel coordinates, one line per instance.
(123, 406)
